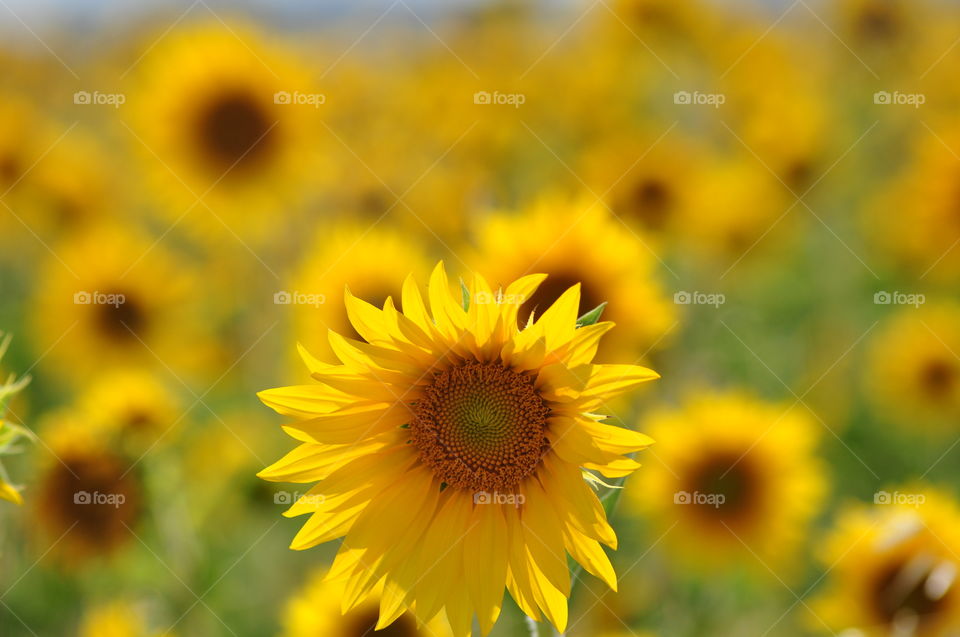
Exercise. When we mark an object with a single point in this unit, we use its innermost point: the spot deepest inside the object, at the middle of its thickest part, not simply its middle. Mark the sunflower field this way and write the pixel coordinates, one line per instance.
(600, 318)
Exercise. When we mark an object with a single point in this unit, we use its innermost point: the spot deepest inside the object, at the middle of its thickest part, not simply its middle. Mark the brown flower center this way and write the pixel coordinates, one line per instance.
(234, 129)
(724, 486)
(480, 426)
(363, 622)
(122, 319)
(650, 201)
(556, 283)
(938, 377)
(910, 590)
(94, 497)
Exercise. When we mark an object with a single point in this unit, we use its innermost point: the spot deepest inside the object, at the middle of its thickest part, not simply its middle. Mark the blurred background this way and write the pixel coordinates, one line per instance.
(767, 194)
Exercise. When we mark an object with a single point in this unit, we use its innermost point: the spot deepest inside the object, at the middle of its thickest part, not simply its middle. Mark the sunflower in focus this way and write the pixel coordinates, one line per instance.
(225, 115)
(135, 406)
(736, 480)
(368, 260)
(893, 567)
(90, 497)
(117, 619)
(315, 610)
(451, 447)
(109, 297)
(914, 371)
(581, 244)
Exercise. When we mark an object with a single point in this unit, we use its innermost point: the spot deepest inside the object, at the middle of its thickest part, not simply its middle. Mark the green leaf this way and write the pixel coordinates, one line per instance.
(610, 498)
(592, 316)
(465, 296)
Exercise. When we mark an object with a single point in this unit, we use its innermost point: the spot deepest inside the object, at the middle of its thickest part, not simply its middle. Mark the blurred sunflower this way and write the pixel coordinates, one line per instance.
(776, 104)
(19, 150)
(315, 610)
(133, 405)
(117, 619)
(70, 187)
(90, 498)
(877, 24)
(736, 478)
(925, 240)
(18, 147)
(647, 185)
(469, 437)
(736, 211)
(226, 116)
(109, 297)
(914, 370)
(580, 244)
(667, 23)
(371, 261)
(893, 567)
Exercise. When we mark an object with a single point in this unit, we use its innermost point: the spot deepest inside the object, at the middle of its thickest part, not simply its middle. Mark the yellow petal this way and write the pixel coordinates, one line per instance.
(7, 492)
(485, 562)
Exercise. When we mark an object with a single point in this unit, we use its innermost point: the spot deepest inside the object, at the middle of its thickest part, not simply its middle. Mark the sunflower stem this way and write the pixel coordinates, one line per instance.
(538, 629)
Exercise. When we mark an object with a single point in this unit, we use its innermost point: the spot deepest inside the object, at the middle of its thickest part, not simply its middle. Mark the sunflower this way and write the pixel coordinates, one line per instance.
(110, 297)
(117, 619)
(70, 187)
(893, 567)
(19, 148)
(222, 114)
(776, 104)
(90, 498)
(451, 447)
(316, 611)
(342, 256)
(646, 184)
(668, 24)
(134, 405)
(736, 211)
(736, 477)
(914, 371)
(877, 24)
(924, 241)
(581, 244)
